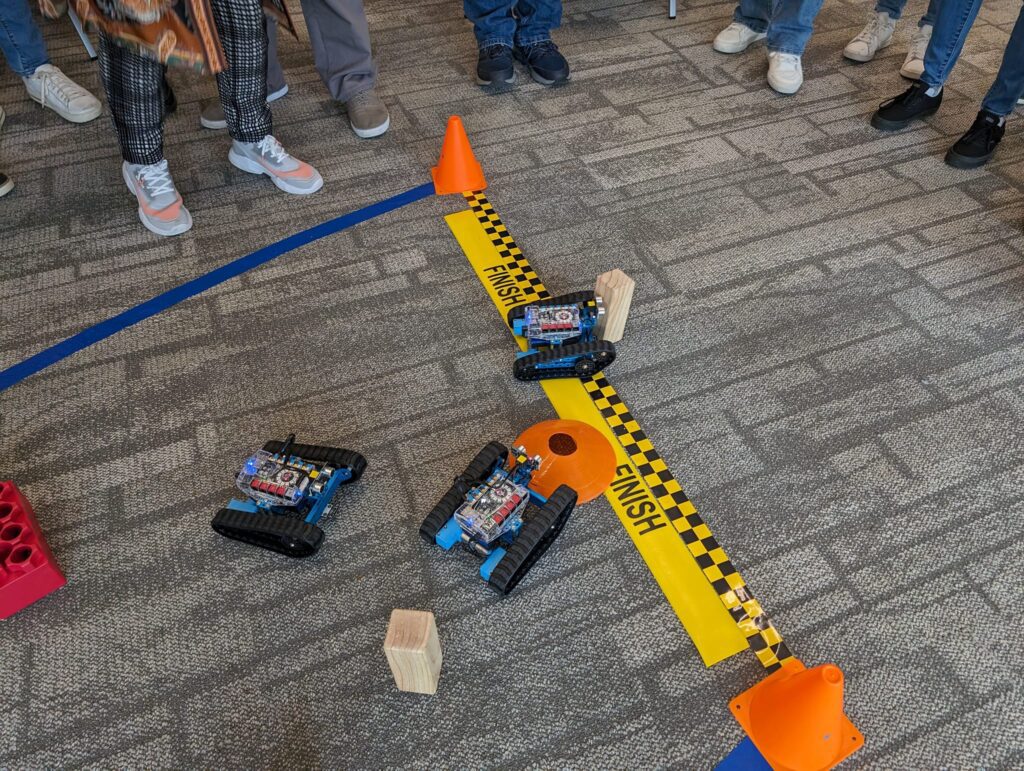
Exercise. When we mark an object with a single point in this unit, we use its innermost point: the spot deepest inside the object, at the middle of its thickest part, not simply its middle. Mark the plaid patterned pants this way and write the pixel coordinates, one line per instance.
(133, 84)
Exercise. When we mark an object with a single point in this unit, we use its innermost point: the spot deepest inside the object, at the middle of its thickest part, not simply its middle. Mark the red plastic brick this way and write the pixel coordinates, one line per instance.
(28, 571)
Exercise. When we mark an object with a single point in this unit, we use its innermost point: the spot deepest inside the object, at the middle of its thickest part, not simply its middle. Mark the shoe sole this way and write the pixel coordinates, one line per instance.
(882, 124)
(499, 84)
(252, 167)
(370, 133)
(731, 48)
(6, 187)
(958, 161)
(911, 75)
(172, 230)
(785, 90)
(538, 78)
(863, 59)
(220, 125)
(77, 117)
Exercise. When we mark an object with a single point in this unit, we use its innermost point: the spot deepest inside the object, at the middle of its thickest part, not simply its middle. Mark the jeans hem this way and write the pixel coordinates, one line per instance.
(530, 41)
(496, 41)
(789, 51)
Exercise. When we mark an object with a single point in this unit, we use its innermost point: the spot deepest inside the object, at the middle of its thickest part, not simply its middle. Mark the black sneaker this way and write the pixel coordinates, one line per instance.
(6, 184)
(495, 66)
(975, 147)
(545, 62)
(904, 109)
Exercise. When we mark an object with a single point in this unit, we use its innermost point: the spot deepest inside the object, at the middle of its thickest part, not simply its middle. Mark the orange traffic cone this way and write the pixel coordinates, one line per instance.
(795, 718)
(458, 170)
(572, 453)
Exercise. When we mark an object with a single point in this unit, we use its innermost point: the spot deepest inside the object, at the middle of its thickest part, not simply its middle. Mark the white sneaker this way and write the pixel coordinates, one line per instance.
(735, 38)
(268, 157)
(873, 38)
(161, 209)
(913, 65)
(785, 74)
(52, 88)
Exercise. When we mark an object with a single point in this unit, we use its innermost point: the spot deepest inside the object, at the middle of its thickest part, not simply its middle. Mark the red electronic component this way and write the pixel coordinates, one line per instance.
(28, 571)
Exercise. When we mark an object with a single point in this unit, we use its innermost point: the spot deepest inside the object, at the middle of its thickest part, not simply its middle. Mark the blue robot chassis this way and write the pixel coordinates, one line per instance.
(561, 333)
(289, 488)
(485, 511)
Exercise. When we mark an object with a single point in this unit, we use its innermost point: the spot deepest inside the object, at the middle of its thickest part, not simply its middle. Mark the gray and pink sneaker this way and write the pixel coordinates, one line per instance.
(160, 206)
(268, 157)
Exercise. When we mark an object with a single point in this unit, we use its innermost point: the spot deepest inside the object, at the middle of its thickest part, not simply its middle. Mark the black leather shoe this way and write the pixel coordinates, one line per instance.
(495, 66)
(975, 147)
(901, 111)
(545, 62)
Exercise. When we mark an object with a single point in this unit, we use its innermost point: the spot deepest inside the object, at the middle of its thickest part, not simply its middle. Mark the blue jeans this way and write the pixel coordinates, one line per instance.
(789, 23)
(951, 27)
(1009, 83)
(513, 22)
(20, 38)
(895, 9)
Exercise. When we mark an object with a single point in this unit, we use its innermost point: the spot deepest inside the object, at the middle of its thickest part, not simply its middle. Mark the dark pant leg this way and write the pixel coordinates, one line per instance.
(243, 85)
(134, 94)
(340, 38)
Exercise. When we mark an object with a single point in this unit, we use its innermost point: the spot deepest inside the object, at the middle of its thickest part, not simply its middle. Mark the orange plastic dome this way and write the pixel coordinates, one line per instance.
(573, 453)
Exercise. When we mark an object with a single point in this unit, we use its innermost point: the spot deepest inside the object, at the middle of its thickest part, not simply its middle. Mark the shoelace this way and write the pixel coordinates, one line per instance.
(786, 61)
(156, 179)
(984, 124)
(56, 82)
(916, 91)
(543, 47)
(871, 31)
(492, 51)
(271, 148)
(920, 44)
(358, 99)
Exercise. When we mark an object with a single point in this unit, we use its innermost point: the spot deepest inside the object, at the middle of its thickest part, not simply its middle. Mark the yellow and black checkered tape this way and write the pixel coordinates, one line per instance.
(763, 638)
(752, 621)
(525, 276)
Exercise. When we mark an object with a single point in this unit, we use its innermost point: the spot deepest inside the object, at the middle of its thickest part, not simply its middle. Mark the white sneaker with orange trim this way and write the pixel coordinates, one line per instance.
(160, 206)
(268, 157)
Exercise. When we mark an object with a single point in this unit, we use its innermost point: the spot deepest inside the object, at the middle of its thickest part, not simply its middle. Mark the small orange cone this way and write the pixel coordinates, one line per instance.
(795, 718)
(458, 170)
(572, 453)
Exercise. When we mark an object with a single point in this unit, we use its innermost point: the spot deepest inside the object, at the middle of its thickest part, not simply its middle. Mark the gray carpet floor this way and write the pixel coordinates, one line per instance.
(826, 345)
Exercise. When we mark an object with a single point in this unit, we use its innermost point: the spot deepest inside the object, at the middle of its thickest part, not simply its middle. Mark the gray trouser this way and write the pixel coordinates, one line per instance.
(340, 38)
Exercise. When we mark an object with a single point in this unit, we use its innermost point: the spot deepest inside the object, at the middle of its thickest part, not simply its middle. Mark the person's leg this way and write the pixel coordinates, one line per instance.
(493, 22)
(243, 96)
(1008, 86)
(276, 83)
(134, 86)
(952, 23)
(928, 20)
(978, 145)
(536, 19)
(495, 28)
(754, 14)
(533, 44)
(340, 37)
(211, 114)
(791, 25)
(20, 38)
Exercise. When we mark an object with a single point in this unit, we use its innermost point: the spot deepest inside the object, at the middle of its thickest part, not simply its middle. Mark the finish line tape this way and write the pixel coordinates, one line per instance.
(510, 282)
(91, 335)
(718, 611)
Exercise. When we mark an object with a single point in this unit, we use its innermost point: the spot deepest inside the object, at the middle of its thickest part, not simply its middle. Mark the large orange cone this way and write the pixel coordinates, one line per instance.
(458, 170)
(795, 718)
(573, 453)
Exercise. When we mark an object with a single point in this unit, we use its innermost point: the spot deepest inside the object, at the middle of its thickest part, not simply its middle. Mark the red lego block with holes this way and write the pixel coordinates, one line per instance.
(28, 571)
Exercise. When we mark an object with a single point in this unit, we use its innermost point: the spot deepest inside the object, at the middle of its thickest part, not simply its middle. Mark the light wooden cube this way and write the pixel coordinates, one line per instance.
(413, 650)
(615, 289)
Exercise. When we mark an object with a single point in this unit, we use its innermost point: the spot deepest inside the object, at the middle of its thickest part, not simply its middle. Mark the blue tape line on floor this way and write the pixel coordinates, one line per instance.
(30, 366)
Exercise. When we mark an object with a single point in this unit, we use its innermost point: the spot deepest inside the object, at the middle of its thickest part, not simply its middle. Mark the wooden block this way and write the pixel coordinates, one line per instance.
(615, 288)
(413, 650)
